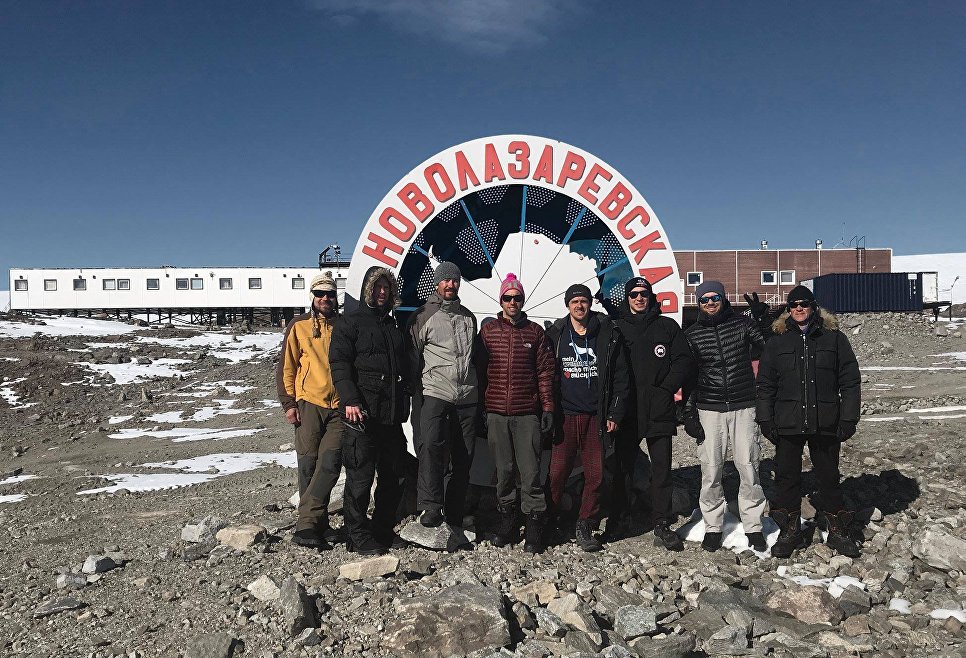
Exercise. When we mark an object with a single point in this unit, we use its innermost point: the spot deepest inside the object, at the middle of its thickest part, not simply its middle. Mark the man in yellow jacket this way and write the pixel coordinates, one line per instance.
(311, 404)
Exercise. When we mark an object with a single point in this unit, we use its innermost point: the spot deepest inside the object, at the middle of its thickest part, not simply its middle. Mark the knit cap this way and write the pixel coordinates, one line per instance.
(511, 282)
(714, 287)
(322, 281)
(446, 270)
(800, 293)
(637, 282)
(578, 290)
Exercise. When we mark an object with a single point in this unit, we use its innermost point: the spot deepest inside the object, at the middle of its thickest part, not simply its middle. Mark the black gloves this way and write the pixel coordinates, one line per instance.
(768, 431)
(759, 309)
(692, 425)
(846, 430)
(546, 422)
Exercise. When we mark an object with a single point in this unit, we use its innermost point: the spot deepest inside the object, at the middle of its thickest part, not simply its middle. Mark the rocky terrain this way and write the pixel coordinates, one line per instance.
(145, 478)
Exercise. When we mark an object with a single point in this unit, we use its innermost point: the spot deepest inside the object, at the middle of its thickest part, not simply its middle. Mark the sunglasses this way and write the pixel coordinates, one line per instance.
(799, 304)
(324, 293)
(634, 294)
(709, 299)
(512, 298)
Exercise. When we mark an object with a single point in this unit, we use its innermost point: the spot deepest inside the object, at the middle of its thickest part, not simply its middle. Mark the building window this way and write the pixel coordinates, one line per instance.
(224, 284)
(50, 285)
(123, 284)
(298, 283)
(80, 284)
(197, 284)
(20, 285)
(109, 284)
(154, 284)
(787, 277)
(181, 284)
(695, 278)
(255, 284)
(769, 277)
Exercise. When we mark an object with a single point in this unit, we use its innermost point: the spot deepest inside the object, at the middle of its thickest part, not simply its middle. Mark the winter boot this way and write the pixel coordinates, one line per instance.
(790, 535)
(711, 541)
(837, 525)
(310, 538)
(757, 541)
(368, 546)
(585, 537)
(533, 538)
(505, 532)
(390, 539)
(431, 518)
(615, 529)
(330, 534)
(667, 538)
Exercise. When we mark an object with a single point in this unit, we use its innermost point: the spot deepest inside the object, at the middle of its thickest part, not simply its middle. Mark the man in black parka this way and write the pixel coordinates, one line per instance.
(660, 364)
(369, 362)
(809, 392)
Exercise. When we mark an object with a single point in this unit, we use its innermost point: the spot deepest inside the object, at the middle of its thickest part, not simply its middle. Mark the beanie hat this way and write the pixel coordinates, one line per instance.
(800, 293)
(511, 282)
(446, 270)
(322, 281)
(637, 282)
(578, 290)
(710, 286)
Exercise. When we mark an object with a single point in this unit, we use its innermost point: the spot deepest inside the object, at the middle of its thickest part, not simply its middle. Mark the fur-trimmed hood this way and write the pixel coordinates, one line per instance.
(824, 319)
(369, 282)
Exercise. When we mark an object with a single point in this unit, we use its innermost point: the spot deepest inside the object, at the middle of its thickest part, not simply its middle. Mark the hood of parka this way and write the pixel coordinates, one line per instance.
(369, 283)
(820, 319)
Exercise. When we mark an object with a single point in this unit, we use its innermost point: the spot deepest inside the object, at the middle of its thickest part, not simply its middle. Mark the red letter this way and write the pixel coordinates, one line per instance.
(402, 230)
(417, 202)
(491, 167)
(573, 169)
(590, 186)
(615, 202)
(655, 274)
(439, 182)
(668, 302)
(522, 152)
(544, 168)
(464, 171)
(379, 252)
(644, 245)
(637, 212)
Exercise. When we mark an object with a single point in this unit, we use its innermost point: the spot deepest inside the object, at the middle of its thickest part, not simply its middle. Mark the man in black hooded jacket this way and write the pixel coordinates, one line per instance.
(370, 368)
(660, 364)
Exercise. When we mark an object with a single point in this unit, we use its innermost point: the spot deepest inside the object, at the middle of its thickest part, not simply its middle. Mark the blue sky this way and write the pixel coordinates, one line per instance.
(255, 133)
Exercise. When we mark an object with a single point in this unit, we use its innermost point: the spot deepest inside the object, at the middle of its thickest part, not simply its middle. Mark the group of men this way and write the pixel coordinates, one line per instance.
(586, 384)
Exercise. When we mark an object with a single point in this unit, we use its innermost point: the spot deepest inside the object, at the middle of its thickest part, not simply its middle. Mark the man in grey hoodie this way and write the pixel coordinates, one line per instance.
(442, 333)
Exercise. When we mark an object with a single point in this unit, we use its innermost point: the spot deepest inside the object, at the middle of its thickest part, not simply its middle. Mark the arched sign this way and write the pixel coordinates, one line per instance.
(546, 211)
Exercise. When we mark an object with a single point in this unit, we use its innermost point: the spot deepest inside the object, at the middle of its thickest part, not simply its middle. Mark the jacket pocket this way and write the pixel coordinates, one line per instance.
(788, 415)
(661, 405)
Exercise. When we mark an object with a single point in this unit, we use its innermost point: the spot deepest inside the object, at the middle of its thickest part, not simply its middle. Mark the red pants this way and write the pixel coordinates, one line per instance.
(580, 435)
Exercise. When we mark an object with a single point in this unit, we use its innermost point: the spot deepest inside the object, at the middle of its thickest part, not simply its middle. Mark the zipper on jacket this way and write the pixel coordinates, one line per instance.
(724, 369)
(509, 369)
(805, 382)
(392, 369)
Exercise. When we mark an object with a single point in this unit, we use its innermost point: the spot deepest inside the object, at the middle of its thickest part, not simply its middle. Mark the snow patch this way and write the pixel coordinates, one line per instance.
(64, 326)
(733, 534)
(835, 586)
(115, 420)
(132, 373)
(14, 479)
(12, 498)
(181, 434)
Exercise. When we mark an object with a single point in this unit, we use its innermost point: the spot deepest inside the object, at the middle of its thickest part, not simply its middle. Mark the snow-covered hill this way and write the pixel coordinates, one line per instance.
(949, 266)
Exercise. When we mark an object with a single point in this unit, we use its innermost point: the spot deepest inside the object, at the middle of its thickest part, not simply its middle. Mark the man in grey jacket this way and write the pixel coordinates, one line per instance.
(442, 333)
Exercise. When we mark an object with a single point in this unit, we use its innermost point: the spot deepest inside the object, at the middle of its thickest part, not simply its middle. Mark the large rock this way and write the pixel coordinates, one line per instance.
(633, 621)
(550, 623)
(298, 610)
(212, 645)
(242, 537)
(98, 564)
(202, 531)
(791, 646)
(543, 590)
(810, 604)
(374, 567)
(611, 598)
(704, 622)
(564, 604)
(939, 549)
(264, 588)
(457, 620)
(443, 538)
(57, 605)
(854, 601)
(672, 646)
(729, 641)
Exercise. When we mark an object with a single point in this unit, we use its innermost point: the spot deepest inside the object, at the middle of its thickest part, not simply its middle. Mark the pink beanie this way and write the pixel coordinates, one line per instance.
(511, 282)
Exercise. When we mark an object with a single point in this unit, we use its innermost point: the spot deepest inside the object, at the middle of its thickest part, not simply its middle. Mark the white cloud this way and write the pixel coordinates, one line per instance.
(479, 25)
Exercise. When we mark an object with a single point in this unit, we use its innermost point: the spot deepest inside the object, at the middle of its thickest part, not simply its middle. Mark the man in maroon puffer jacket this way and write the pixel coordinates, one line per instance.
(516, 365)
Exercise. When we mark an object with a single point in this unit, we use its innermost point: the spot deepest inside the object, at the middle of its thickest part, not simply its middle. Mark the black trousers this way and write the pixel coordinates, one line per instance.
(627, 452)
(824, 452)
(445, 445)
(380, 449)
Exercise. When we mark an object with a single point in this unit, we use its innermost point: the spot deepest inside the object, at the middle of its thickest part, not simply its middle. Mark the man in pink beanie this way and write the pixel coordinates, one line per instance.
(516, 368)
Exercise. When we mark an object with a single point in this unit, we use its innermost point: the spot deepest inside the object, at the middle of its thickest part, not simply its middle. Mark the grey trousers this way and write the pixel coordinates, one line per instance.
(738, 431)
(516, 445)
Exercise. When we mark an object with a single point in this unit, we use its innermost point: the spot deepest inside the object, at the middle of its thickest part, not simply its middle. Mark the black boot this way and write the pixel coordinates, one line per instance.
(586, 539)
(506, 527)
(533, 539)
(790, 535)
(615, 529)
(667, 538)
(367, 546)
(838, 526)
(310, 538)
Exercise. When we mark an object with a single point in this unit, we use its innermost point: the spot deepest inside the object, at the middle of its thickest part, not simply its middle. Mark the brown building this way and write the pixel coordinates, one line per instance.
(772, 273)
